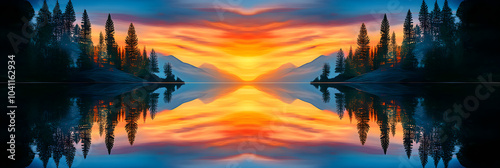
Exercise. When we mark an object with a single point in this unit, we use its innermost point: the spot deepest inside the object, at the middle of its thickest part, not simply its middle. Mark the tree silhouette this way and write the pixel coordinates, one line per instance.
(131, 50)
(111, 46)
(340, 101)
(435, 17)
(69, 18)
(85, 60)
(326, 93)
(339, 65)
(393, 50)
(447, 28)
(418, 34)
(424, 19)
(154, 61)
(44, 30)
(383, 50)
(58, 22)
(409, 61)
(145, 59)
(325, 72)
(154, 105)
(361, 57)
(349, 70)
(76, 33)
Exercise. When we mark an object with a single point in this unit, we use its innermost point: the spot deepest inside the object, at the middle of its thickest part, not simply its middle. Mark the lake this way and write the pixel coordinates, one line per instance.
(236, 125)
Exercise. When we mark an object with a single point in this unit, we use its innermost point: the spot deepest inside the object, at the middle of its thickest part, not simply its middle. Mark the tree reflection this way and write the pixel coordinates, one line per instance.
(435, 137)
(57, 128)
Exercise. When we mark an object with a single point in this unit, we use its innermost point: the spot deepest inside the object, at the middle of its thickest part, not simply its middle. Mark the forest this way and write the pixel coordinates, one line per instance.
(449, 50)
(60, 50)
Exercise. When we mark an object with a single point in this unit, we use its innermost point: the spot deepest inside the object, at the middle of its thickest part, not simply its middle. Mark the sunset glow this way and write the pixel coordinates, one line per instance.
(247, 38)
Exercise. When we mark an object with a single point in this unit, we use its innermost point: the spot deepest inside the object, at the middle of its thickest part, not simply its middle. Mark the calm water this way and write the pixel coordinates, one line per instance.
(261, 125)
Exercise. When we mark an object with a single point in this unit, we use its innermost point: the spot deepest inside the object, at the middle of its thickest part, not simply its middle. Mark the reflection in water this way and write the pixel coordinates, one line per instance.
(390, 111)
(252, 126)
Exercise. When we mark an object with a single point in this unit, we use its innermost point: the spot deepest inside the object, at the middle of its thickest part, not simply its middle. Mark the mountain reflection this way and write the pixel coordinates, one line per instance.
(239, 117)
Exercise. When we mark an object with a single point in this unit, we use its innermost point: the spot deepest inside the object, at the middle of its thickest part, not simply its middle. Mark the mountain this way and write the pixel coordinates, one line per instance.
(305, 73)
(281, 71)
(224, 76)
(190, 73)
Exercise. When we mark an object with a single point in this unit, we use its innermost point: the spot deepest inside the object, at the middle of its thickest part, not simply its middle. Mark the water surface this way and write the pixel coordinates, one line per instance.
(250, 125)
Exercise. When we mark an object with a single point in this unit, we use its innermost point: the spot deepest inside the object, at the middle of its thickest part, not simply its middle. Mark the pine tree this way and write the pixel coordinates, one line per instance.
(86, 56)
(383, 50)
(348, 67)
(425, 24)
(169, 76)
(326, 72)
(131, 50)
(145, 63)
(58, 22)
(447, 28)
(111, 45)
(339, 66)
(69, 18)
(393, 48)
(76, 33)
(435, 21)
(408, 32)
(409, 61)
(103, 58)
(44, 27)
(418, 34)
(154, 62)
(361, 60)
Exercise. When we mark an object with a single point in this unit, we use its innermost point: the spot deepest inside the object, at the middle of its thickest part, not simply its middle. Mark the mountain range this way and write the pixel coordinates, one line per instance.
(209, 73)
(190, 73)
(305, 73)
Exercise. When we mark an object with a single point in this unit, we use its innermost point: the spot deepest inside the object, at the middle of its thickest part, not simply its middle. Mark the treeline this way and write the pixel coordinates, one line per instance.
(58, 42)
(439, 40)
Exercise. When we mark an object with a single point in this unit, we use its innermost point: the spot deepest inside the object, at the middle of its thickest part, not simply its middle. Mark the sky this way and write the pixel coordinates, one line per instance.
(246, 37)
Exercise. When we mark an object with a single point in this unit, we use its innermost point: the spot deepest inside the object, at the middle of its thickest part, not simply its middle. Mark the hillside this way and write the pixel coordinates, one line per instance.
(305, 73)
(190, 73)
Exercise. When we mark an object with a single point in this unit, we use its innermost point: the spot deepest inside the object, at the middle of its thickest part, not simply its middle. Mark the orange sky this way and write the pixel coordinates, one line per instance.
(246, 47)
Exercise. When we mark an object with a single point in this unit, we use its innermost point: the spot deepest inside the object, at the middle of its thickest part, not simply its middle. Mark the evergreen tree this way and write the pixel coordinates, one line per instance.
(154, 62)
(86, 56)
(44, 33)
(144, 69)
(111, 45)
(131, 50)
(361, 60)
(383, 50)
(76, 33)
(409, 61)
(169, 76)
(435, 21)
(145, 64)
(348, 67)
(424, 19)
(447, 28)
(69, 18)
(339, 65)
(418, 34)
(58, 22)
(326, 72)
(103, 58)
(393, 49)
